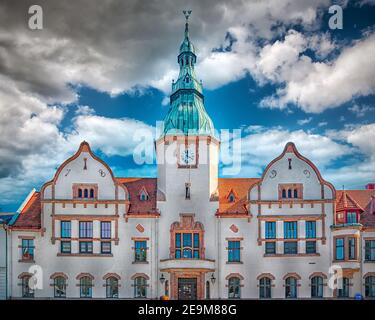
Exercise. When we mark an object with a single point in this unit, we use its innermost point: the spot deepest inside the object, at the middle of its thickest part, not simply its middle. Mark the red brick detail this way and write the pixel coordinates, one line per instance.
(140, 228)
(233, 228)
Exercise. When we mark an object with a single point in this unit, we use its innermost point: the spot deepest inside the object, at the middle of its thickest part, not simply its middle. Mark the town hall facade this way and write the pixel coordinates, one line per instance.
(189, 234)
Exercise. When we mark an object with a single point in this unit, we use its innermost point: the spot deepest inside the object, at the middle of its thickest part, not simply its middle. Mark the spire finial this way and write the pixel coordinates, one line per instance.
(187, 14)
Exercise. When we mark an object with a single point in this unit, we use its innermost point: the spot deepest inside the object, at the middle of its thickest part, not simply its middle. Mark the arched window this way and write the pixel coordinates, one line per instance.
(86, 193)
(27, 291)
(295, 195)
(370, 286)
(317, 287)
(91, 193)
(283, 193)
(140, 287)
(166, 288)
(85, 286)
(265, 288)
(59, 287)
(290, 288)
(208, 293)
(79, 193)
(234, 288)
(289, 193)
(111, 285)
(343, 292)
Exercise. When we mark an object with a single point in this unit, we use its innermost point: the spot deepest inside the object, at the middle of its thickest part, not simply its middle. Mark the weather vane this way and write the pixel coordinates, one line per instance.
(187, 14)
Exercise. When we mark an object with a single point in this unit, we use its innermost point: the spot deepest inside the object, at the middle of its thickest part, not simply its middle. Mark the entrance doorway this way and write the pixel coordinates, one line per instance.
(187, 288)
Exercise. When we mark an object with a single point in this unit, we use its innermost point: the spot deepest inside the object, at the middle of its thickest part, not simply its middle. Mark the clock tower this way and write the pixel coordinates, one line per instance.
(187, 150)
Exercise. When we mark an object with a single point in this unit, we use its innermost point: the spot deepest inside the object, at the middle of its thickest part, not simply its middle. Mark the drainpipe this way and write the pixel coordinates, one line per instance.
(6, 261)
(219, 257)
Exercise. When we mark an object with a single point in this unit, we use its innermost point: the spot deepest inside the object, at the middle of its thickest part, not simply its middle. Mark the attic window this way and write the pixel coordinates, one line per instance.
(143, 196)
(231, 197)
(85, 191)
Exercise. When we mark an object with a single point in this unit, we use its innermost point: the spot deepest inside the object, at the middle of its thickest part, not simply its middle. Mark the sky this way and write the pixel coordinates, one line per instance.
(101, 71)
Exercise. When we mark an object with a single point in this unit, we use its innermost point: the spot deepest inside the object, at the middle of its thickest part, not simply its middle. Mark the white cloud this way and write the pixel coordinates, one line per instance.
(317, 86)
(302, 122)
(344, 157)
(360, 110)
(84, 110)
(260, 147)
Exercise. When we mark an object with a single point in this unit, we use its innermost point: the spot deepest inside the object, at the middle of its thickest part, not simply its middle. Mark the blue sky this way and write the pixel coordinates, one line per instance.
(275, 71)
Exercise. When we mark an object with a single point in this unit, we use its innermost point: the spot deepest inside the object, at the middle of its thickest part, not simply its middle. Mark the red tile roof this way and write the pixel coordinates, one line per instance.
(344, 201)
(30, 216)
(240, 188)
(362, 197)
(368, 216)
(134, 186)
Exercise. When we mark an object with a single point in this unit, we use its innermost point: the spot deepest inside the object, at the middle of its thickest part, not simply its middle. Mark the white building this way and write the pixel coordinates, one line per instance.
(189, 234)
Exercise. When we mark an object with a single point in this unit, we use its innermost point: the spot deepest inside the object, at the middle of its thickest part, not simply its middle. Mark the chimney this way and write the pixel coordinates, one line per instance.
(370, 186)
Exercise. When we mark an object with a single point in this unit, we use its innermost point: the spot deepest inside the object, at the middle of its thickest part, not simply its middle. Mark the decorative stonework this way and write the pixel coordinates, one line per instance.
(233, 228)
(140, 228)
(307, 173)
(187, 224)
(273, 174)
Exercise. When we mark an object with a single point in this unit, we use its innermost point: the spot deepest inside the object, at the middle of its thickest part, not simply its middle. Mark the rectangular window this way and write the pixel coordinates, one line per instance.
(370, 250)
(270, 247)
(290, 247)
(234, 249)
(140, 251)
(270, 230)
(27, 249)
(178, 246)
(85, 229)
(310, 229)
(290, 230)
(66, 230)
(105, 247)
(351, 217)
(66, 247)
(187, 242)
(340, 252)
(105, 229)
(85, 247)
(187, 245)
(352, 249)
(196, 245)
(310, 247)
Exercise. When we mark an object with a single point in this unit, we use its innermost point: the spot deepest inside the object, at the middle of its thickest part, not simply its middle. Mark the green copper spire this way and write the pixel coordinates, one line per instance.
(187, 114)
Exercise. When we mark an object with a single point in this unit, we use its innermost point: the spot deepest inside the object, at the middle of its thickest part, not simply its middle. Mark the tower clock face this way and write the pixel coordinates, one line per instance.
(187, 155)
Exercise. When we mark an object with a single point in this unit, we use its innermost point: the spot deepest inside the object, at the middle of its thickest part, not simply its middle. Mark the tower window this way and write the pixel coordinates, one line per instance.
(187, 191)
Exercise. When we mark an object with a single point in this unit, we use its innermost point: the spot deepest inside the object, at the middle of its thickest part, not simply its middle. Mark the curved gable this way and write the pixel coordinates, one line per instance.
(84, 167)
(290, 167)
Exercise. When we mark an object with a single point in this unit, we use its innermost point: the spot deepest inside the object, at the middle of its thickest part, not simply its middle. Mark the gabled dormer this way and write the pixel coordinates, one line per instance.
(348, 210)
